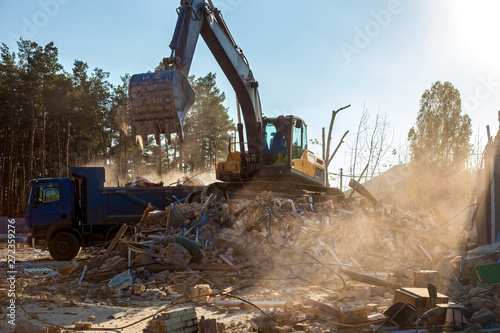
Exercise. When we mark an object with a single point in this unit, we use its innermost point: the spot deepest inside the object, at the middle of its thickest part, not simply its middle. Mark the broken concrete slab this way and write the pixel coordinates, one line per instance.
(230, 238)
(483, 316)
(352, 312)
(176, 254)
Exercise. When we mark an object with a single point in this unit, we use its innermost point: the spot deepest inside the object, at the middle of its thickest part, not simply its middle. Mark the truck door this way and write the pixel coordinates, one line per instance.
(48, 204)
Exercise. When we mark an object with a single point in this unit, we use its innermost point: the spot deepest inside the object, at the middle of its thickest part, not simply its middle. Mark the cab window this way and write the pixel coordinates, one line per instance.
(275, 146)
(299, 139)
(275, 140)
(46, 192)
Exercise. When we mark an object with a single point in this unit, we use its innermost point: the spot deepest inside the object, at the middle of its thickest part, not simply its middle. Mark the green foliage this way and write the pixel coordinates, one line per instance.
(206, 125)
(53, 120)
(439, 144)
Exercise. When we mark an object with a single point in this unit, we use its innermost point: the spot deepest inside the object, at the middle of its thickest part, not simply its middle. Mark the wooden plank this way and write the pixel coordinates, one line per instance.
(240, 285)
(207, 325)
(260, 304)
(326, 308)
(369, 280)
(115, 240)
(144, 218)
(147, 251)
(363, 191)
(195, 267)
(169, 218)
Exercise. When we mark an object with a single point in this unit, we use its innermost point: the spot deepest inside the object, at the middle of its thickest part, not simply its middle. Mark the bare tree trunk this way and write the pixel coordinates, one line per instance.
(167, 155)
(7, 165)
(160, 158)
(181, 158)
(3, 177)
(380, 151)
(354, 154)
(323, 156)
(326, 152)
(125, 162)
(60, 151)
(42, 141)
(372, 143)
(21, 191)
(32, 141)
(68, 138)
(174, 159)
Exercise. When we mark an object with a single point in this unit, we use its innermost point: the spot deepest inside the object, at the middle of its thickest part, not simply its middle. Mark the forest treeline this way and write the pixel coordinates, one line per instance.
(53, 120)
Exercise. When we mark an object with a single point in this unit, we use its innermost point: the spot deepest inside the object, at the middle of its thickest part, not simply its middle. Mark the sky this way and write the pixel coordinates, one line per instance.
(310, 57)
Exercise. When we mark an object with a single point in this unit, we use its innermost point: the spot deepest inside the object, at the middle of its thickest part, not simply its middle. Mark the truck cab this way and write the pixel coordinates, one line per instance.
(51, 208)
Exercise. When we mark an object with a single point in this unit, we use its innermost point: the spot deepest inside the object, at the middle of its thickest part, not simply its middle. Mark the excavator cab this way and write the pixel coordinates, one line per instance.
(285, 152)
(284, 155)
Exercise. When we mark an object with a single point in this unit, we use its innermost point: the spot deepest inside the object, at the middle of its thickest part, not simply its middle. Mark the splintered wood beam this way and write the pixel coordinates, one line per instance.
(115, 240)
(369, 280)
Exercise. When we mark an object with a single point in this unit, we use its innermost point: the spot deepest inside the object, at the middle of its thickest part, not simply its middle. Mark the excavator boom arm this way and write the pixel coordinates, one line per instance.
(159, 101)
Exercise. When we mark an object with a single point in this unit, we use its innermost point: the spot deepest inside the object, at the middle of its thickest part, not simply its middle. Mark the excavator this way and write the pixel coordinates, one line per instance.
(275, 155)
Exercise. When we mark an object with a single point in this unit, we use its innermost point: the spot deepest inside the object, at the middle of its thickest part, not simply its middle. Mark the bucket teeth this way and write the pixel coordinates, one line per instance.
(159, 102)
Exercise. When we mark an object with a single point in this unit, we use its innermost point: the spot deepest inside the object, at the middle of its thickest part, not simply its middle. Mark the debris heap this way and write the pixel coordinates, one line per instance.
(320, 265)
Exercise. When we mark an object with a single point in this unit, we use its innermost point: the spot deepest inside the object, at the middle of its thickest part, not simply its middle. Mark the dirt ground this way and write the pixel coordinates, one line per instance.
(40, 297)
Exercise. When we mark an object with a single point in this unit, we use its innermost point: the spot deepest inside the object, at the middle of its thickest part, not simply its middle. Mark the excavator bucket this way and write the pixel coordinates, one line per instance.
(159, 102)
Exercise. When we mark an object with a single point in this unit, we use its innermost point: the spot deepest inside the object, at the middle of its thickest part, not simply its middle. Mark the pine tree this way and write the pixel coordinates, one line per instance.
(206, 125)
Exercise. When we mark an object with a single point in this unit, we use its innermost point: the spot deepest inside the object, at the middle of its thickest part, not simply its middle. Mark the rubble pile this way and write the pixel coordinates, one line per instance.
(305, 264)
(281, 230)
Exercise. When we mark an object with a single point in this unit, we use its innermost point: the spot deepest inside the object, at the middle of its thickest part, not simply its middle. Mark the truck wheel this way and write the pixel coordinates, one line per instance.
(111, 234)
(216, 188)
(194, 197)
(64, 246)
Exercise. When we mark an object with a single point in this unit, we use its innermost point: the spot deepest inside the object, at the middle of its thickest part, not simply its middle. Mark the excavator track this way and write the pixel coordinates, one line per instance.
(291, 190)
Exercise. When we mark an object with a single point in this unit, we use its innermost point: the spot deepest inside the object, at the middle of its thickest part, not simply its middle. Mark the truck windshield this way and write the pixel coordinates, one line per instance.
(46, 192)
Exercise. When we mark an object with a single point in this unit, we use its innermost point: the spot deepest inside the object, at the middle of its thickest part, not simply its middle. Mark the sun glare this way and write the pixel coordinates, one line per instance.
(477, 27)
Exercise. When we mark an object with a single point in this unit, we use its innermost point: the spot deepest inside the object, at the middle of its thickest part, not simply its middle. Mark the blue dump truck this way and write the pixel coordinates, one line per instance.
(66, 214)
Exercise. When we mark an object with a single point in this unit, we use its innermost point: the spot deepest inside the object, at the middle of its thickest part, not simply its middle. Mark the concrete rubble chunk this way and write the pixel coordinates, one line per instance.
(230, 238)
(269, 324)
(81, 325)
(362, 294)
(143, 259)
(181, 321)
(483, 316)
(447, 271)
(53, 329)
(479, 303)
(176, 254)
(28, 327)
(138, 289)
(422, 278)
(114, 263)
(201, 292)
(352, 312)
